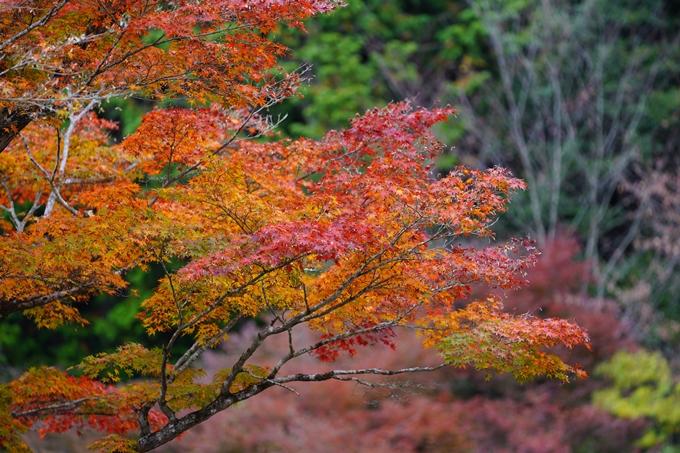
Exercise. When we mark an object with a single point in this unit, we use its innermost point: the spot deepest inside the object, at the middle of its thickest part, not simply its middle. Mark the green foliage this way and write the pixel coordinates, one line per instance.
(643, 386)
(131, 358)
(372, 52)
(114, 442)
(127, 112)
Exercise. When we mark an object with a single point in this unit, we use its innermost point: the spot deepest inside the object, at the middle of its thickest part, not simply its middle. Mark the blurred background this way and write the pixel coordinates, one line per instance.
(581, 99)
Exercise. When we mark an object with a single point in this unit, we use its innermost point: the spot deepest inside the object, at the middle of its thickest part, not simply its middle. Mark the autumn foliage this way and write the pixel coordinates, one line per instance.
(348, 236)
(450, 410)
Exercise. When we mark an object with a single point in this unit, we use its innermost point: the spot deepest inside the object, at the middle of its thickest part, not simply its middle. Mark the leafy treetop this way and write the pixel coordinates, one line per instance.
(67, 56)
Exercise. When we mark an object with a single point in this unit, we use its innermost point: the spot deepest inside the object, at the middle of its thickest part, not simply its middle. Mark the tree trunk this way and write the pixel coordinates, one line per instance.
(11, 124)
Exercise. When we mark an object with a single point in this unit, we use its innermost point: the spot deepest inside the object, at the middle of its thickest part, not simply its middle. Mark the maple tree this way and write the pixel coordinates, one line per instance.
(548, 416)
(348, 235)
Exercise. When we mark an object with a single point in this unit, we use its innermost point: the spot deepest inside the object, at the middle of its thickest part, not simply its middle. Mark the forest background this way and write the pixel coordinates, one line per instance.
(581, 99)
